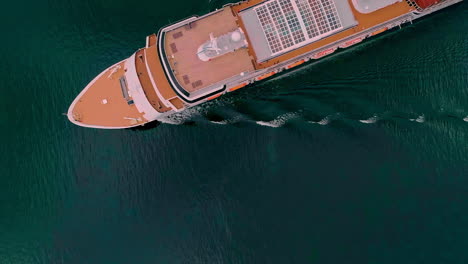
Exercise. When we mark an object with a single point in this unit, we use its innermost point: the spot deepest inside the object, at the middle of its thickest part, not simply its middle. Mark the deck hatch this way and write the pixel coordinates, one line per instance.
(124, 88)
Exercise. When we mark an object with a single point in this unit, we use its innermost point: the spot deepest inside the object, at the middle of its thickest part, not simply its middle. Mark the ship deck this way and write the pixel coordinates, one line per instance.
(156, 74)
(146, 84)
(101, 103)
(181, 45)
(365, 21)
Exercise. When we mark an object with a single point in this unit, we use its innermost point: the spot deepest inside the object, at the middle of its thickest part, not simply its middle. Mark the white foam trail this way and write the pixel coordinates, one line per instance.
(371, 120)
(279, 121)
(420, 119)
(171, 120)
(233, 120)
(223, 122)
(322, 122)
(182, 117)
(269, 124)
(465, 119)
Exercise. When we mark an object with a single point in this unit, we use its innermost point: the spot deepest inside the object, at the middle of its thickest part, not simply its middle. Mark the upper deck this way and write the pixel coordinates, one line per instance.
(346, 12)
(182, 45)
(276, 27)
(201, 54)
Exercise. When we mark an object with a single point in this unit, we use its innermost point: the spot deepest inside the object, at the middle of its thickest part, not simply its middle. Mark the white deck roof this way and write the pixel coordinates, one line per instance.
(275, 27)
(369, 6)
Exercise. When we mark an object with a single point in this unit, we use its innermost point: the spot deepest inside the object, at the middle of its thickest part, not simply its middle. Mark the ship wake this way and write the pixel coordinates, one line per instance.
(230, 116)
(280, 120)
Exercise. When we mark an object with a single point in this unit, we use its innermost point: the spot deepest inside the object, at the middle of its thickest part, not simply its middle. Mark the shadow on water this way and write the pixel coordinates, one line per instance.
(148, 126)
(155, 124)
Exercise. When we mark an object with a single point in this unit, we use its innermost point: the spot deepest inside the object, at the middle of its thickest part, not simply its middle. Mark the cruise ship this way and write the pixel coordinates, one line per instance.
(203, 57)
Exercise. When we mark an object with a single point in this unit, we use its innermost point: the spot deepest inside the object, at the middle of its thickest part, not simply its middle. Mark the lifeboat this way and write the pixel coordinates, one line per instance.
(382, 30)
(351, 43)
(266, 75)
(295, 64)
(237, 87)
(213, 97)
(426, 3)
(323, 53)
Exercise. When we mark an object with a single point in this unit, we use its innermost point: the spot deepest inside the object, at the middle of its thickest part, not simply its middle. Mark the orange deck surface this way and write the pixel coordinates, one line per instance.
(90, 109)
(146, 84)
(188, 68)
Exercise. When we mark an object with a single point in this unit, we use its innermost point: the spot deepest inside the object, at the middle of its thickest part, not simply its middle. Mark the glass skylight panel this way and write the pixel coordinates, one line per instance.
(308, 18)
(280, 23)
(332, 14)
(269, 29)
(293, 23)
(320, 16)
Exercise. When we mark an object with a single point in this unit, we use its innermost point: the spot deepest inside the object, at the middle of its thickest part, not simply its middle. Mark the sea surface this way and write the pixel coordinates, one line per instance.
(359, 158)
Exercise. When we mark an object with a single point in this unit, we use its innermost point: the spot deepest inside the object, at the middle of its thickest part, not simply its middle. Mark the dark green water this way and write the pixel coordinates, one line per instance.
(380, 177)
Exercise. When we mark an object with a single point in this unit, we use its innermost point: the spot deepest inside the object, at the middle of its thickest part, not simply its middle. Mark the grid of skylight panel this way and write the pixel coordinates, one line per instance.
(287, 23)
(280, 23)
(332, 14)
(269, 29)
(293, 21)
(320, 16)
(308, 18)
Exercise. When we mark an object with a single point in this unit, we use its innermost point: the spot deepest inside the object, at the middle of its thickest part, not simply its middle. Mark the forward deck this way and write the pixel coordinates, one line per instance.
(105, 104)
